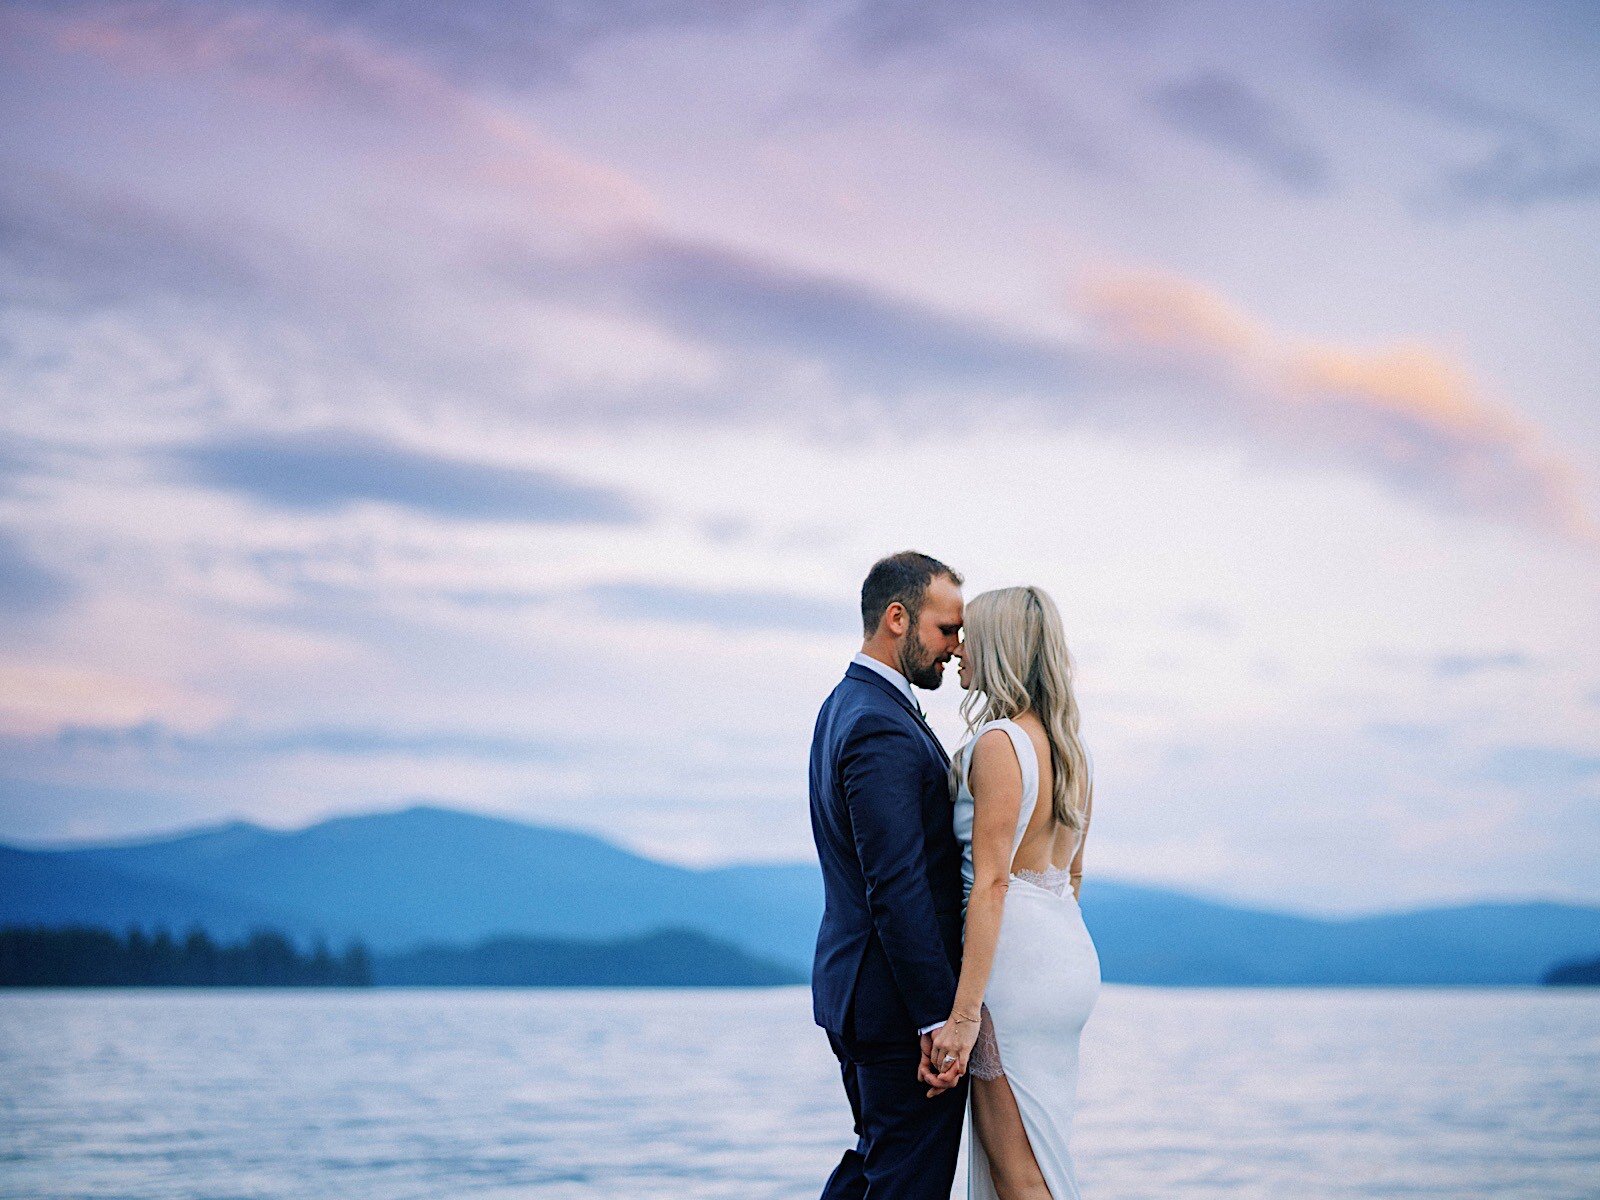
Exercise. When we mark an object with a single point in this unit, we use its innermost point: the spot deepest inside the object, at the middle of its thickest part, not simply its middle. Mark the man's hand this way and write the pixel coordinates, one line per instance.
(937, 1081)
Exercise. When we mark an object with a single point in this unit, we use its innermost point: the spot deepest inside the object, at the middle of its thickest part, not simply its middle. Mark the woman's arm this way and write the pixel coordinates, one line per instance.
(995, 778)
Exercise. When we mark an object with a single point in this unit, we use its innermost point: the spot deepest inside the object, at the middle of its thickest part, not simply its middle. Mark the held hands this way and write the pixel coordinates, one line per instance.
(945, 1052)
(937, 1083)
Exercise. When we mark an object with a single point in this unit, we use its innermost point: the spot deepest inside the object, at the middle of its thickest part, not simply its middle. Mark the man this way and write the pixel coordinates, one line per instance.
(889, 949)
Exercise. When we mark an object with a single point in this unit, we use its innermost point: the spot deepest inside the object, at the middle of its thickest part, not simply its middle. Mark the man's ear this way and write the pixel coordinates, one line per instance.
(895, 618)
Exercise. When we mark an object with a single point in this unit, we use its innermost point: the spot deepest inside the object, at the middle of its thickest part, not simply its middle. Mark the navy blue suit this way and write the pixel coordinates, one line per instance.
(889, 949)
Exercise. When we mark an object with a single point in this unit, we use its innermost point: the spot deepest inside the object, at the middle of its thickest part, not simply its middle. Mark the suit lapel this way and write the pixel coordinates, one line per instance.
(856, 671)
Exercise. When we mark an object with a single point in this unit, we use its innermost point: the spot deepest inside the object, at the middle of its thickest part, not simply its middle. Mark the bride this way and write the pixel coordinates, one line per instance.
(1029, 971)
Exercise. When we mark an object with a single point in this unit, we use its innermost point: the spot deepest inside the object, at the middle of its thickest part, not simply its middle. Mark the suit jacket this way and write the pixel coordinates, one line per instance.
(889, 949)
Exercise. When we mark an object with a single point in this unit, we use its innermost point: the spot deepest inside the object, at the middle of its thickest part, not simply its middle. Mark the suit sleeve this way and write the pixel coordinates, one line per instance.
(878, 774)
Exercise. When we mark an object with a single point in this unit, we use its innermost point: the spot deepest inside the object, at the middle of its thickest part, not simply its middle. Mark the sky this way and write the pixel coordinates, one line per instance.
(500, 408)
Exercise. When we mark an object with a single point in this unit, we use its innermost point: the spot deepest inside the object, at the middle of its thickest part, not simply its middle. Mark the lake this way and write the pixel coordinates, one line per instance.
(399, 1094)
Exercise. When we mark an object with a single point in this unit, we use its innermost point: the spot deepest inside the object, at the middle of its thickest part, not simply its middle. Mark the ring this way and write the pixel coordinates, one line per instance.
(949, 1058)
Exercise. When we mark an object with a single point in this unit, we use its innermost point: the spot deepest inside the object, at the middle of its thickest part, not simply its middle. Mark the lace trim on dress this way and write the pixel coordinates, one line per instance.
(1051, 879)
(984, 1061)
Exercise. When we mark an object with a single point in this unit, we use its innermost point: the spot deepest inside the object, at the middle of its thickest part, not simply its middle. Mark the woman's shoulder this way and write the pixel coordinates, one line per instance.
(1008, 744)
(1000, 724)
(993, 741)
(1029, 722)
(991, 732)
(1006, 729)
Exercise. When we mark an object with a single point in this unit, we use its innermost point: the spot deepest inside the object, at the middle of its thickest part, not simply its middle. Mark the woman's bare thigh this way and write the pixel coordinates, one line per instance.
(1005, 1140)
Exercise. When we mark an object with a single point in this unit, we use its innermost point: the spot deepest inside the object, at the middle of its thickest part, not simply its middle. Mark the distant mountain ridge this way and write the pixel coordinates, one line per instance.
(427, 874)
(419, 874)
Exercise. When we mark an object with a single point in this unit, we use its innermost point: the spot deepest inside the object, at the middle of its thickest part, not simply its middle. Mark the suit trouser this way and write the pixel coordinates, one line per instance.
(907, 1143)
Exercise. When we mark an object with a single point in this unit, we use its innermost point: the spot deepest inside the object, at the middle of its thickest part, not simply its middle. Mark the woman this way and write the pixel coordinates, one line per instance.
(1029, 971)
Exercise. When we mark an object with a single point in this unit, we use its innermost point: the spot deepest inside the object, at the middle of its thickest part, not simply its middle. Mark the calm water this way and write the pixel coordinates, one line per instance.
(398, 1094)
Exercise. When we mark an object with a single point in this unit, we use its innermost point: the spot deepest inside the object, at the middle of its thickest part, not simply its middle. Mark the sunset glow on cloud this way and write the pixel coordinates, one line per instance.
(1403, 412)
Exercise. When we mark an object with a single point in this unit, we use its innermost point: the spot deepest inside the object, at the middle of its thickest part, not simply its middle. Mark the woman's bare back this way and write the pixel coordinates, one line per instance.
(1047, 843)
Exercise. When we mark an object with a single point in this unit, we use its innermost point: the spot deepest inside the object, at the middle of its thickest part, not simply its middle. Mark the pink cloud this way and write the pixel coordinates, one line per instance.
(41, 699)
(287, 59)
(1405, 413)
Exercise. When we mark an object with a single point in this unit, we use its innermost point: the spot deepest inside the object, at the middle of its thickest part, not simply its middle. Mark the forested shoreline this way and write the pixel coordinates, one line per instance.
(46, 956)
(84, 955)
(89, 956)
(1578, 973)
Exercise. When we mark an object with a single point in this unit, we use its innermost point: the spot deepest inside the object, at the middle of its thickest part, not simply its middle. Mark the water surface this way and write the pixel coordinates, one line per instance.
(402, 1094)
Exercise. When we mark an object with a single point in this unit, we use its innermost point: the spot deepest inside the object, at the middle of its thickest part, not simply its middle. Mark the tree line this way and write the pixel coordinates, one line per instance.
(89, 956)
(1583, 973)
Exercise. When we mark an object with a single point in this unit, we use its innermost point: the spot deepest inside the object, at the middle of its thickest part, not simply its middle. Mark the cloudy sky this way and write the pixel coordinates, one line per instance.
(409, 401)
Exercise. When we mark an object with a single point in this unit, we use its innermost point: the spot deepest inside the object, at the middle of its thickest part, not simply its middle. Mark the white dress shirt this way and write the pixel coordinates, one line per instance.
(889, 673)
(904, 684)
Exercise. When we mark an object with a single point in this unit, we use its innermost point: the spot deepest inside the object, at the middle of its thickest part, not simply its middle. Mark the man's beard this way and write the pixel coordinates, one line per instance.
(918, 665)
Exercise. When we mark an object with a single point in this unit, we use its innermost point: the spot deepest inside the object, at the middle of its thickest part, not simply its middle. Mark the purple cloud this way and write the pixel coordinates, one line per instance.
(327, 472)
(1227, 113)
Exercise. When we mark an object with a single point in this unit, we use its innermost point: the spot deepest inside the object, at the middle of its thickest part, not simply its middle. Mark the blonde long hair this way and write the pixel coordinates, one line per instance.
(1018, 657)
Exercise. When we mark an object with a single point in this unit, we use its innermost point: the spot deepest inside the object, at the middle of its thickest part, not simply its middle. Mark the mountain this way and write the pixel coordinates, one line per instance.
(436, 874)
(427, 874)
(668, 958)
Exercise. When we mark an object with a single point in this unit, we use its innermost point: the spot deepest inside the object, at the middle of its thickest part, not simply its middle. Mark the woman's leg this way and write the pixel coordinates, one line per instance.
(1005, 1140)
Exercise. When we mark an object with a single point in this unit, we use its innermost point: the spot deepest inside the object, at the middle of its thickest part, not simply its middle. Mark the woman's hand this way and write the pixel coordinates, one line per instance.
(951, 1048)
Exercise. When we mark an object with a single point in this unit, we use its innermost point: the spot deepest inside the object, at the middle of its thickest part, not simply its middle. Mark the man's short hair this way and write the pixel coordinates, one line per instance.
(902, 577)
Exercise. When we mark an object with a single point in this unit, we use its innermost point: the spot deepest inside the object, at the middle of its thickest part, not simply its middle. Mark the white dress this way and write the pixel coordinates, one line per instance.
(1042, 988)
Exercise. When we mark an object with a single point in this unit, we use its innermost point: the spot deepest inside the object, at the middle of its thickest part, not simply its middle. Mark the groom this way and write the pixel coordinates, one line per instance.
(889, 949)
